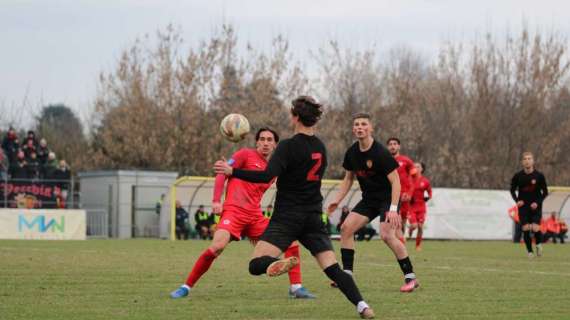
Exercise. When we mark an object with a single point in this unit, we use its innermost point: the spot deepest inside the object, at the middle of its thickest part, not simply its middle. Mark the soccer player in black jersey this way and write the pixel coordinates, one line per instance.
(377, 174)
(299, 163)
(528, 189)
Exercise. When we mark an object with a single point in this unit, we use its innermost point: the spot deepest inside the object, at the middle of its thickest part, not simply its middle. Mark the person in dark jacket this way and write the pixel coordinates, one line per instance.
(182, 229)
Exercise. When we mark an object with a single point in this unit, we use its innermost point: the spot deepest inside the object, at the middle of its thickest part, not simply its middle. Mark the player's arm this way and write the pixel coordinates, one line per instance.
(345, 186)
(236, 161)
(514, 187)
(275, 167)
(392, 216)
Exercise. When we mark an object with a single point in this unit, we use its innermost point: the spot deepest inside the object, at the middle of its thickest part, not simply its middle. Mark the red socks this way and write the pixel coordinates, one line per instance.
(295, 273)
(200, 267)
(418, 240)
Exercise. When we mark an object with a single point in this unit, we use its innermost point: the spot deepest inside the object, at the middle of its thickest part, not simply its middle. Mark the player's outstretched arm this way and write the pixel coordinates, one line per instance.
(345, 186)
(392, 217)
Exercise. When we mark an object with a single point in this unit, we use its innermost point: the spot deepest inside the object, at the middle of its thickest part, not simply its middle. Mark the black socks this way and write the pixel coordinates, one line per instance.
(258, 266)
(345, 283)
(347, 256)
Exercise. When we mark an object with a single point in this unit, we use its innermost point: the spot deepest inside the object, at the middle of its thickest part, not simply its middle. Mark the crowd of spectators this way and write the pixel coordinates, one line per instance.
(30, 161)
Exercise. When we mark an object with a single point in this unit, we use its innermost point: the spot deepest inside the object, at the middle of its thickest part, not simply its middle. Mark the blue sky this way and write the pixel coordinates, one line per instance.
(53, 51)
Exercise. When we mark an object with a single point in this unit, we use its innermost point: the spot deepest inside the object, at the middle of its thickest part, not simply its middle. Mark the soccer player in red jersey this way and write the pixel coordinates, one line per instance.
(241, 214)
(405, 170)
(418, 203)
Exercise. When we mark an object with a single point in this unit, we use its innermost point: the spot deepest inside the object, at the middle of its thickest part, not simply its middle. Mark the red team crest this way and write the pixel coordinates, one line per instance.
(369, 163)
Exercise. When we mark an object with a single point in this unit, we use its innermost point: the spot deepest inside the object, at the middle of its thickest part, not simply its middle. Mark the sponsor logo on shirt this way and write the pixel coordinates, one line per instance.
(226, 221)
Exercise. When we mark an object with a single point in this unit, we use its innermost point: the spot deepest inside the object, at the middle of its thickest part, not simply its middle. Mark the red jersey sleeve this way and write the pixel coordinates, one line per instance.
(236, 161)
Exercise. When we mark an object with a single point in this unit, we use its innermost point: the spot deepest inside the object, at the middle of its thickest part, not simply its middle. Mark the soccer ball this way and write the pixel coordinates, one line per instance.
(234, 127)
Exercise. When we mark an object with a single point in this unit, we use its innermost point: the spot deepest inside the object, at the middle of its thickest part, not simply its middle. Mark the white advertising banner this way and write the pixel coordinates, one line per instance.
(469, 214)
(39, 224)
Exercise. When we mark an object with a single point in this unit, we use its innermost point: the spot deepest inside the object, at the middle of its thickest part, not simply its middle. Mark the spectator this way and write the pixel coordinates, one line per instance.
(203, 223)
(62, 177)
(29, 148)
(182, 229)
(43, 152)
(158, 206)
(11, 145)
(214, 220)
(18, 167)
(554, 228)
(48, 171)
(33, 167)
(268, 212)
(31, 137)
(4, 167)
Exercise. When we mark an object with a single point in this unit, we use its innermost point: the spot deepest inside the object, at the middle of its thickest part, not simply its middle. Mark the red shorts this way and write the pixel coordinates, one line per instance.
(417, 216)
(405, 209)
(243, 223)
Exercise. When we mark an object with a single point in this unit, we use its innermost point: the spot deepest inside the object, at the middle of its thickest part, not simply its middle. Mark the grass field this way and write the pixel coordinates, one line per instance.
(131, 279)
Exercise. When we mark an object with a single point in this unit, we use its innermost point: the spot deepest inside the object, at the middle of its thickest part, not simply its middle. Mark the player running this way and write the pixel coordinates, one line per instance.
(377, 174)
(241, 214)
(528, 189)
(405, 170)
(418, 203)
(300, 163)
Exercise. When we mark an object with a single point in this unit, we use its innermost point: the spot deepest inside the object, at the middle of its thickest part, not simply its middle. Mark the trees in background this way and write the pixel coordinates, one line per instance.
(468, 114)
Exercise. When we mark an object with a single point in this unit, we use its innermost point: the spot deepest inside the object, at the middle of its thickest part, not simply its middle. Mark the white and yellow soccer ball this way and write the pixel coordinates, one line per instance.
(234, 127)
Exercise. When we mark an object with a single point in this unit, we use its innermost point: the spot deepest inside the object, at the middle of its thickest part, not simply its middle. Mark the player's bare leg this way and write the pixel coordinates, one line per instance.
(328, 263)
(350, 226)
(388, 235)
(202, 265)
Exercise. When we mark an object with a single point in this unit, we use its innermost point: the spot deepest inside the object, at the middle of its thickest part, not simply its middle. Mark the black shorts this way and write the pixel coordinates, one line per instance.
(528, 216)
(372, 210)
(307, 227)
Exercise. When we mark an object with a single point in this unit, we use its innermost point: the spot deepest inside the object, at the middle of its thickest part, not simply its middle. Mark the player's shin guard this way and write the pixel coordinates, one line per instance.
(295, 273)
(345, 283)
(407, 268)
(258, 266)
(200, 267)
(527, 241)
(538, 237)
(347, 256)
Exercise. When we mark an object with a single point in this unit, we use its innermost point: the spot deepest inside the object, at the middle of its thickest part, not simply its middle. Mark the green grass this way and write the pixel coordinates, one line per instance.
(131, 279)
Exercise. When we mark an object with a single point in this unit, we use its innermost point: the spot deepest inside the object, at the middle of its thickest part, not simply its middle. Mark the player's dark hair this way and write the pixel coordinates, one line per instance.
(361, 115)
(307, 109)
(275, 135)
(393, 139)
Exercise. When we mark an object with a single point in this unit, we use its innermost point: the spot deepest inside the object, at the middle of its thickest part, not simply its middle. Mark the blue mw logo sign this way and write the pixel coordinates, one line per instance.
(41, 224)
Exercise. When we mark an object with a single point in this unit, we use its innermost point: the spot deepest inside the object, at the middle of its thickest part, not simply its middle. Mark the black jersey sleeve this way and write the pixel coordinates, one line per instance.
(346, 164)
(277, 164)
(388, 162)
(514, 187)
